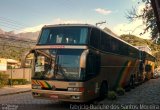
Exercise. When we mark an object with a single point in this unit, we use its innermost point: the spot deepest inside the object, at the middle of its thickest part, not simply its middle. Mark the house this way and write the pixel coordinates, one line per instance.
(8, 63)
(145, 48)
(13, 63)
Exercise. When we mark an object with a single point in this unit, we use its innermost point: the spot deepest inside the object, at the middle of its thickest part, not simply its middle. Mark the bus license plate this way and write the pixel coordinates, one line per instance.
(54, 96)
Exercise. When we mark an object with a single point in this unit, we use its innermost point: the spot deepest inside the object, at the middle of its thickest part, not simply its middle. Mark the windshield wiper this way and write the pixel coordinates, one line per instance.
(57, 68)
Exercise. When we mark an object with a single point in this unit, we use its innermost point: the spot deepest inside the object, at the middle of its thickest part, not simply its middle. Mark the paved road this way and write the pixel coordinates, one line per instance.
(147, 93)
(26, 101)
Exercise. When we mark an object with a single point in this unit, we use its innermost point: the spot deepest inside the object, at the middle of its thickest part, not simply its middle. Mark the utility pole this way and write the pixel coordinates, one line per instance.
(100, 23)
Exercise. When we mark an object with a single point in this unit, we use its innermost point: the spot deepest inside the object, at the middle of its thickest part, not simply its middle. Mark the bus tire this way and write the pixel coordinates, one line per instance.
(103, 90)
(129, 86)
(132, 82)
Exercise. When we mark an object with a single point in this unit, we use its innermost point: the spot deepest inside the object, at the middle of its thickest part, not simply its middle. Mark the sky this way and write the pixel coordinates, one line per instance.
(31, 15)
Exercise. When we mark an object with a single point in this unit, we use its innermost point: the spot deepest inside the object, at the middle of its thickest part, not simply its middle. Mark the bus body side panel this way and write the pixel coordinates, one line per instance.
(117, 69)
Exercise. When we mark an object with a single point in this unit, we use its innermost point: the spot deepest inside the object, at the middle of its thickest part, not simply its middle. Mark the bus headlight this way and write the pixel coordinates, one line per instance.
(36, 86)
(75, 97)
(76, 89)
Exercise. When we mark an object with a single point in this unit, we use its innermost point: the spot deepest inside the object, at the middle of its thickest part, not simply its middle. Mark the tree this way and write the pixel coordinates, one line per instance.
(147, 16)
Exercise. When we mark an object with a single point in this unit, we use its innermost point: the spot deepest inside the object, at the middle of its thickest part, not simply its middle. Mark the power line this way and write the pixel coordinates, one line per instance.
(11, 24)
(13, 21)
(9, 27)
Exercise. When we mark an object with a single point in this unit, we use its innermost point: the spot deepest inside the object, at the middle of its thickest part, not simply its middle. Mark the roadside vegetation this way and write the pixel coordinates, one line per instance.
(3, 79)
(112, 95)
(17, 81)
(120, 91)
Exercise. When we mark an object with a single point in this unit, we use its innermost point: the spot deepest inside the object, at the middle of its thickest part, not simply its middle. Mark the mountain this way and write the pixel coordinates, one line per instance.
(28, 35)
(13, 47)
(24, 35)
(2, 32)
(11, 33)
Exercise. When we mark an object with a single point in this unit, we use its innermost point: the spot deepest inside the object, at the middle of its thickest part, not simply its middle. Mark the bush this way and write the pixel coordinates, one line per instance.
(112, 95)
(17, 81)
(120, 91)
(3, 79)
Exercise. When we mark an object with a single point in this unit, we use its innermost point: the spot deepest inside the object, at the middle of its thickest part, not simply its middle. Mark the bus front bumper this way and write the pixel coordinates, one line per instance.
(59, 95)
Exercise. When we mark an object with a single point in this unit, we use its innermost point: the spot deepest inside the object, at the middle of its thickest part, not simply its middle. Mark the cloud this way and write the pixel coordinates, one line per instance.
(136, 27)
(31, 29)
(55, 21)
(62, 21)
(103, 11)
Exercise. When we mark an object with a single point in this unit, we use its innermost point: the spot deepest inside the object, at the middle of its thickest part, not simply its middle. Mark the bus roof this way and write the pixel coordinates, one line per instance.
(61, 25)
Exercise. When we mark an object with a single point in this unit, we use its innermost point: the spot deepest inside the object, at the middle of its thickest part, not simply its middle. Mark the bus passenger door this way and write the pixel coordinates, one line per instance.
(93, 68)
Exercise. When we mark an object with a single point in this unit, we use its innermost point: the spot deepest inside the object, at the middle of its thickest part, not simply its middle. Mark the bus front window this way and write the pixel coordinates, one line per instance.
(68, 63)
(57, 64)
(64, 35)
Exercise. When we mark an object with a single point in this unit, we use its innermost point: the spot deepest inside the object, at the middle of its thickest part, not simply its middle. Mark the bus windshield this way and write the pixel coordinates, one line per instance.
(64, 35)
(57, 64)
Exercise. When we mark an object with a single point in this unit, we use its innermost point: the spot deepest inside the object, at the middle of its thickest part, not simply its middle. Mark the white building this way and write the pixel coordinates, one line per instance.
(4, 63)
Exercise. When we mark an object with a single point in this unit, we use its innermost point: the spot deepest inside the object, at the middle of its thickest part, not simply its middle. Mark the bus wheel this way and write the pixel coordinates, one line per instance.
(132, 82)
(103, 90)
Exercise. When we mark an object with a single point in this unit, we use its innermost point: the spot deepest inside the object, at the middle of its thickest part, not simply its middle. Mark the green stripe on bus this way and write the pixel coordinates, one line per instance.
(49, 86)
(120, 74)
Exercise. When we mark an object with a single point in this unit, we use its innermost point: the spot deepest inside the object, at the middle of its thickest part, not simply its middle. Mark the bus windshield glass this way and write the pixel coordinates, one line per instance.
(63, 35)
(57, 64)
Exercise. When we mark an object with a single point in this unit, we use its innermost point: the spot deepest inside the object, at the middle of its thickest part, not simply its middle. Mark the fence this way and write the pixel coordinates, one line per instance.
(22, 73)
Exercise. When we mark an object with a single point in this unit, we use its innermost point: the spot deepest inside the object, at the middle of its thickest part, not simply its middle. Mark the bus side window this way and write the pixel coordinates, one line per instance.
(105, 42)
(95, 38)
(114, 46)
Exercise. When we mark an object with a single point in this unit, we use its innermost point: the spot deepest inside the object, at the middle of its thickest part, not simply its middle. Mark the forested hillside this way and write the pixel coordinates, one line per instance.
(13, 48)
